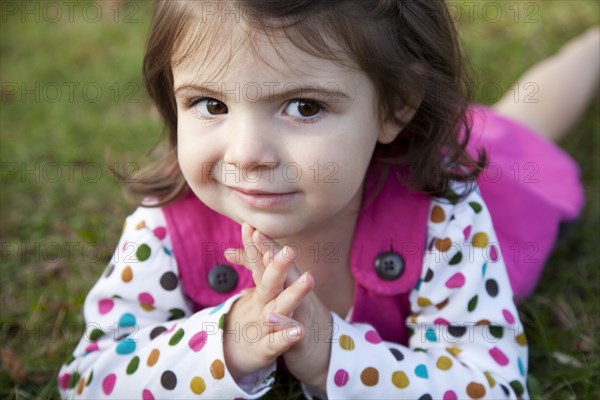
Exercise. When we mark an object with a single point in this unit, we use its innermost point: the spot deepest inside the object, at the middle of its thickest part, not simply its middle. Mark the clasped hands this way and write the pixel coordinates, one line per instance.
(283, 305)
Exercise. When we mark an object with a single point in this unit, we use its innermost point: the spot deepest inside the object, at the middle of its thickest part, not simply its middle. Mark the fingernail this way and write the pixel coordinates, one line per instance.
(272, 318)
(293, 332)
(302, 280)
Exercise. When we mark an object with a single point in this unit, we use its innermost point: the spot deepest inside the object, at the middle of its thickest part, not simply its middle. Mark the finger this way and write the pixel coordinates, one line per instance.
(289, 300)
(275, 275)
(251, 255)
(278, 322)
(277, 343)
(266, 245)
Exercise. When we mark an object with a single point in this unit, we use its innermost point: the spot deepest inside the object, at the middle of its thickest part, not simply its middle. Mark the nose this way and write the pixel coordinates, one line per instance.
(251, 143)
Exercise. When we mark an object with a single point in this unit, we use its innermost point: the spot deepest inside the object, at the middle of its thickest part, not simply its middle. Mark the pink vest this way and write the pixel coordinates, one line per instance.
(394, 221)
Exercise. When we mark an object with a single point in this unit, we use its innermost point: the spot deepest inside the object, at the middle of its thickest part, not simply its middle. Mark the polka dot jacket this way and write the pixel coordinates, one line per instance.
(143, 339)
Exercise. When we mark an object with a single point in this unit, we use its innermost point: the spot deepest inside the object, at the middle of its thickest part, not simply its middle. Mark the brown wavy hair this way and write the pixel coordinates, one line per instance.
(409, 49)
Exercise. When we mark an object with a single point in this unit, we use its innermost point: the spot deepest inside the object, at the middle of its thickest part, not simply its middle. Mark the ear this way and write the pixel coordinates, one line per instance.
(391, 127)
(405, 111)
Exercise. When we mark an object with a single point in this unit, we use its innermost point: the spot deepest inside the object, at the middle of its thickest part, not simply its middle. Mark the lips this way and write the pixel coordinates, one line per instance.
(262, 199)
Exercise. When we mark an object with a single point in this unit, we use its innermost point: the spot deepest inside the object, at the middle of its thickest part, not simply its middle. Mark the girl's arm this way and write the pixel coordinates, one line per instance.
(467, 339)
(142, 339)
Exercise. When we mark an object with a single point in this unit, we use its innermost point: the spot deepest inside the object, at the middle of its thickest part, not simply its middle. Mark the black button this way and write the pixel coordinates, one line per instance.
(389, 265)
(222, 278)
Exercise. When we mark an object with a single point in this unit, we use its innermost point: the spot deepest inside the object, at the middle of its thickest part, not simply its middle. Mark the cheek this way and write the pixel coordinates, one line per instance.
(196, 158)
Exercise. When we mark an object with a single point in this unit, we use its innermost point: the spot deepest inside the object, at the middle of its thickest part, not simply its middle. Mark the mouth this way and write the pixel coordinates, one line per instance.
(262, 199)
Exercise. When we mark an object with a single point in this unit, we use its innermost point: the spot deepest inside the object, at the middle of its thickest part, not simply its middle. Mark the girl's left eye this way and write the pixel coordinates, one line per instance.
(303, 108)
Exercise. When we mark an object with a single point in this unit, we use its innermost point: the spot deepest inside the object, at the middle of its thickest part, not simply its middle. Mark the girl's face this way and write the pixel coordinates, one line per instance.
(281, 141)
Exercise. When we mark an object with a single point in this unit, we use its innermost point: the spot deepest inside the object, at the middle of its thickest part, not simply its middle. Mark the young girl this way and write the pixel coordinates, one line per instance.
(317, 202)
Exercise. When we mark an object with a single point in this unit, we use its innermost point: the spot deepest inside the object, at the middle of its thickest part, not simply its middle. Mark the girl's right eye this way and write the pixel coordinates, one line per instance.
(207, 106)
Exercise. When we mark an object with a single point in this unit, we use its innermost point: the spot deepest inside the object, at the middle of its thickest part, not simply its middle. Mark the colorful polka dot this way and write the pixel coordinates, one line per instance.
(157, 331)
(400, 380)
(421, 371)
(491, 287)
(341, 377)
(397, 354)
(457, 331)
(442, 304)
(372, 337)
(160, 232)
(73, 380)
(444, 363)
(455, 351)
(521, 339)
(467, 232)
(475, 206)
(197, 385)
(92, 347)
(450, 395)
(456, 281)
(95, 334)
(494, 254)
(105, 305)
(423, 302)
(80, 386)
(441, 321)
(198, 341)
(430, 335)
(168, 380)
(346, 342)
(521, 366)
(369, 376)
(437, 214)
(428, 276)
(133, 365)
(176, 338)
(147, 395)
(443, 245)
(498, 356)
(217, 369)
(89, 379)
(108, 384)
(483, 269)
(140, 225)
(496, 331)
(127, 346)
(490, 379)
(517, 387)
(127, 320)
(63, 381)
(480, 240)
(109, 270)
(456, 259)
(508, 316)
(143, 252)
(475, 390)
(168, 281)
(153, 357)
(176, 313)
(127, 274)
(472, 305)
(146, 298)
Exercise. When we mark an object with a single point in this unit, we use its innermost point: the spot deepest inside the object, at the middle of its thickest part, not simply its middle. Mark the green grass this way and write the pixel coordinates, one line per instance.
(58, 231)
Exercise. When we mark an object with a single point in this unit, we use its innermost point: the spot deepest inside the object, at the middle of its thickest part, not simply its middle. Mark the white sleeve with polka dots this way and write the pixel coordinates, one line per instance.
(466, 338)
(142, 339)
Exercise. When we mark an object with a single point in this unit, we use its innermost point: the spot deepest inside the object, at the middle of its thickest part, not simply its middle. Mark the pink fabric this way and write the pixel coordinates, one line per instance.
(530, 186)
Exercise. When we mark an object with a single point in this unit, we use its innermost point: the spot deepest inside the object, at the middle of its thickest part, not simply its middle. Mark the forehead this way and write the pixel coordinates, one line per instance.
(220, 48)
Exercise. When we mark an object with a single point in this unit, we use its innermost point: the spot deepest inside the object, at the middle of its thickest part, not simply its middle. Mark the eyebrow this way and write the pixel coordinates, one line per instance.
(329, 90)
